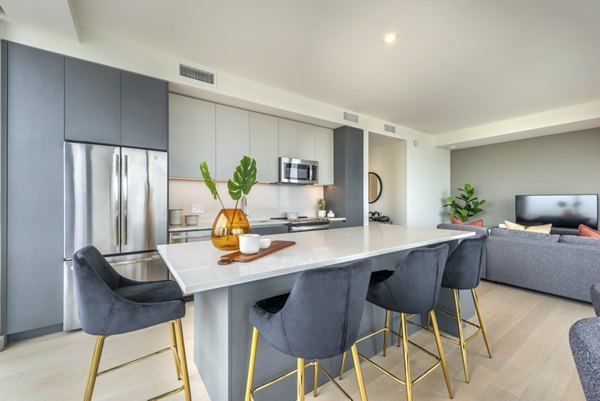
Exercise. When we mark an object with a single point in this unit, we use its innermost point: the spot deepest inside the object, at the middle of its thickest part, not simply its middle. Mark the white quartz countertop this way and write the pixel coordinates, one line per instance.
(205, 224)
(194, 265)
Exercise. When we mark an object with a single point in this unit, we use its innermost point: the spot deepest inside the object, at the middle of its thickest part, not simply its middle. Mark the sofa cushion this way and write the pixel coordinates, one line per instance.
(527, 235)
(475, 223)
(586, 231)
(545, 228)
(574, 239)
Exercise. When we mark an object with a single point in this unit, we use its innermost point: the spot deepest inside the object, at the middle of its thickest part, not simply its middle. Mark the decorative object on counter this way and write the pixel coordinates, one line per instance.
(276, 245)
(375, 187)
(471, 204)
(321, 204)
(249, 243)
(265, 243)
(191, 220)
(230, 223)
(330, 214)
(175, 217)
(376, 216)
(292, 216)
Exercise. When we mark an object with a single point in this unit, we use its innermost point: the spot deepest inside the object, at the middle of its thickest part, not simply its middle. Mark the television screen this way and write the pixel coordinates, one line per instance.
(568, 211)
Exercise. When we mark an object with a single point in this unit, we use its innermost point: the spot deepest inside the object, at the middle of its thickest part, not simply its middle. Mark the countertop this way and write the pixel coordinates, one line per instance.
(194, 265)
(205, 224)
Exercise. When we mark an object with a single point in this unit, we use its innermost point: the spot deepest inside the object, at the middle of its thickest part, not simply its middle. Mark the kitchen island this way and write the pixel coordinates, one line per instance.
(223, 296)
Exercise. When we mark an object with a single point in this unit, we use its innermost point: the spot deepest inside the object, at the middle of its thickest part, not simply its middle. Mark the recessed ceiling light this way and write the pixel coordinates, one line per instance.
(390, 38)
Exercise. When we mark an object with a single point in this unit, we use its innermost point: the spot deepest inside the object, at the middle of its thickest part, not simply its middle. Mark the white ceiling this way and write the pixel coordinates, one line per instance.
(457, 64)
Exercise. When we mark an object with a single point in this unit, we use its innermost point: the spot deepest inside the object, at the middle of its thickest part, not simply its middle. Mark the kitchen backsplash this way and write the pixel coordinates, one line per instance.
(265, 200)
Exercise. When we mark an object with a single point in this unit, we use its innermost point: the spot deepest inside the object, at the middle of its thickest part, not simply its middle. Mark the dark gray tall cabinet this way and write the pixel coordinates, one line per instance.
(346, 196)
(33, 131)
(48, 98)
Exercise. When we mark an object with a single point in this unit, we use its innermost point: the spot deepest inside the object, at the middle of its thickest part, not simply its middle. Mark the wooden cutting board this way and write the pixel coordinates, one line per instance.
(276, 245)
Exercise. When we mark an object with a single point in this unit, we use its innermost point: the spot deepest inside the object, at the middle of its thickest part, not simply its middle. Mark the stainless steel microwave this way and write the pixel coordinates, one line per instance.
(298, 171)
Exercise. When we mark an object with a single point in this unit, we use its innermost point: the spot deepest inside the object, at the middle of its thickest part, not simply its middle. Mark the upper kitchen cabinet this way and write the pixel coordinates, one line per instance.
(264, 146)
(92, 102)
(306, 141)
(233, 139)
(288, 138)
(324, 154)
(143, 112)
(191, 136)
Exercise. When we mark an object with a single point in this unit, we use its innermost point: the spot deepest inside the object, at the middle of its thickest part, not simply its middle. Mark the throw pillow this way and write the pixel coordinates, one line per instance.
(476, 223)
(586, 231)
(545, 228)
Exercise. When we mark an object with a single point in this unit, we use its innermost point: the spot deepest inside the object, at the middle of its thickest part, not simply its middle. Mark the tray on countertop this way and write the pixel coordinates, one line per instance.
(276, 245)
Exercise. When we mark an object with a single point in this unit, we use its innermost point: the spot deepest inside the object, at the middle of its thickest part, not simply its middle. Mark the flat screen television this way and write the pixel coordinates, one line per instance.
(565, 211)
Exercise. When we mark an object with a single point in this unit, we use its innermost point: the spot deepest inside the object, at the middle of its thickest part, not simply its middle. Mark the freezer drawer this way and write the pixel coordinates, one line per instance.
(141, 267)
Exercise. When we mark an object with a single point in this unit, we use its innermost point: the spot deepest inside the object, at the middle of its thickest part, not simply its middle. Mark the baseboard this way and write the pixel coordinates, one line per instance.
(25, 335)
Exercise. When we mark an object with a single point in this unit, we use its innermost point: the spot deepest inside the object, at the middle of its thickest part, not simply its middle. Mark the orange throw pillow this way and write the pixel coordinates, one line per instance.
(585, 231)
(476, 223)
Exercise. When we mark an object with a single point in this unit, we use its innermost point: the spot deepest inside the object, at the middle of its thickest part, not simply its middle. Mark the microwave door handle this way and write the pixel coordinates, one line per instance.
(115, 197)
(310, 173)
(125, 197)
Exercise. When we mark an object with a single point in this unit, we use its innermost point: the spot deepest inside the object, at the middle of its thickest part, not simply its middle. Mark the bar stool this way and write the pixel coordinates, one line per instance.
(413, 288)
(463, 272)
(111, 304)
(319, 319)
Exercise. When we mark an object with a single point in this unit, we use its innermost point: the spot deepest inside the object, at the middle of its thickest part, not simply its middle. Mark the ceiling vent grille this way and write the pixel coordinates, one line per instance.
(197, 74)
(389, 128)
(351, 117)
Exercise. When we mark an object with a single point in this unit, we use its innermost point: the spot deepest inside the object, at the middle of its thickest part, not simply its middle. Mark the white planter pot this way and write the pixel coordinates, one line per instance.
(321, 213)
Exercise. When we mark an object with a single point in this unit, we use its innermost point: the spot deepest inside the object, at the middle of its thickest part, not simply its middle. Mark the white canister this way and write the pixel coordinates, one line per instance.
(175, 217)
(249, 243)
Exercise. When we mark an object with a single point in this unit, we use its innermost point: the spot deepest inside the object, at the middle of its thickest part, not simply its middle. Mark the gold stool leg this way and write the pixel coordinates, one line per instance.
(300, 380)
(182, 360)
(461, 334)
(407, 373)
(251, 364)
(91, 382)
(438, 342)
(315, 376)
(359, 376)
(480, 318)
(387, 330)
(175, 352)
(343, 363)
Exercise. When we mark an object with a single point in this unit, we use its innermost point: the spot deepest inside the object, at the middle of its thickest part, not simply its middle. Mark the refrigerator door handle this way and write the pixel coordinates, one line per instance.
(125, 190)
(115, 197)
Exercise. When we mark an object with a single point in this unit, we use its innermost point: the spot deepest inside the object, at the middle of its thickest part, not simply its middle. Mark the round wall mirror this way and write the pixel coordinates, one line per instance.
(375, 187)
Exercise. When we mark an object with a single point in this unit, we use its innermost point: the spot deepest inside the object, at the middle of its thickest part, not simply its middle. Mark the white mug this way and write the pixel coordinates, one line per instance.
(249, 243)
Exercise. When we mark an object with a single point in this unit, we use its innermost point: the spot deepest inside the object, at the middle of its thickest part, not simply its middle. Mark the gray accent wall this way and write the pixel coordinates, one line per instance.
(556, 164)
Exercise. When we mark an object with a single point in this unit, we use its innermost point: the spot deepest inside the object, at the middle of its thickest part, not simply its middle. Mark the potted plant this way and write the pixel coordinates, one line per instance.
(230, 223)
(466, 204)
(321, 205)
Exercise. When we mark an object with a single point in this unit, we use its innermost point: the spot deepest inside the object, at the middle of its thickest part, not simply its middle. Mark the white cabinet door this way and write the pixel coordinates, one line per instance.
(264, 146)
(233, 139)
(288, 138)
(324, 154)
(191, 136)
(306, 141)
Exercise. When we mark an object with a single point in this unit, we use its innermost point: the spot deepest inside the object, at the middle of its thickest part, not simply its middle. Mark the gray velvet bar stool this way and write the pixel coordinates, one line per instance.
(318, 319)
(463, 272)
(412, 288)
(111, 304)
(584, 338)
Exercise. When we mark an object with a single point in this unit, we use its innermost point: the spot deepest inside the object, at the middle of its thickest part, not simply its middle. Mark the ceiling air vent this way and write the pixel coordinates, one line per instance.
(197, 74)
(351, 117)
(389, 128)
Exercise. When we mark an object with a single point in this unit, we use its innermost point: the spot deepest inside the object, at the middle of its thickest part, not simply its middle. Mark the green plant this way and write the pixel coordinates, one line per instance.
(321, 204)
(471, 204)
(244, 178)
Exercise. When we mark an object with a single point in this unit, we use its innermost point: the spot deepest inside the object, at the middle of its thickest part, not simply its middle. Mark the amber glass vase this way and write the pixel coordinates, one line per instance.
(228, 225)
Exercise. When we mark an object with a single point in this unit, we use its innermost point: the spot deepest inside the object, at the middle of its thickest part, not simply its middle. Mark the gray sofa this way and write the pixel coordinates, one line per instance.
(563, 265)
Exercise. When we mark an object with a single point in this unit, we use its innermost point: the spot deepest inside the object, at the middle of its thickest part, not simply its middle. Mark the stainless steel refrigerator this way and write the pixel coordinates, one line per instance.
(115, 199)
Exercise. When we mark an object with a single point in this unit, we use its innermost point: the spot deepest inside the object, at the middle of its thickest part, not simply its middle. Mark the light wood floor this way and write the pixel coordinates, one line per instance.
(528, 331)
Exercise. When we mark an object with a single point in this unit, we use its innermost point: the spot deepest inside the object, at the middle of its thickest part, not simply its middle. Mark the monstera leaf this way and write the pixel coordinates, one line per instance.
(210, 184)
(244, 178)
